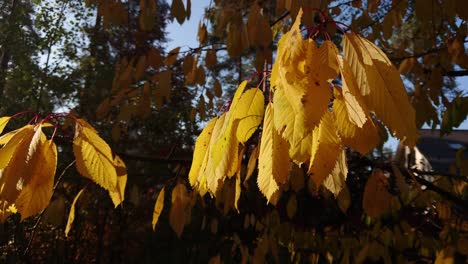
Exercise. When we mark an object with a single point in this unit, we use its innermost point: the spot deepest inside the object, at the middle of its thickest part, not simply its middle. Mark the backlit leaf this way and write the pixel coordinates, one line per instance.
(118, 195)
(337, 178)
(94, 158)
(11, 141)
(71, 215)
(38, 191)
(273, 160)
(3, 122)
(158, 207)
(326, 147)
(199, 153)
(250, 113)
(381, 86)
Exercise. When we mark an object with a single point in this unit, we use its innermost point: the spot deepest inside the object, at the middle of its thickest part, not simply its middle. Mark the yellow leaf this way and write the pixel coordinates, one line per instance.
(180, 209)
(37, 193)
(273, 160)
(361, 139)
(224, 154)
(326, 147)
(71, 215)
(11, 141)
(381, 86)
(250, 110)
(118, 195)
(94, 158)
(377, 199)
(353, 100)
(16, 175)
(300, 152)
(336, 181)
(238, 190)
(305, 86)
(290, 46)
(251, 164)
(286, 122)
(207, 170)
(3, 122)
(158, 207)
(199, 153)
(328, 60)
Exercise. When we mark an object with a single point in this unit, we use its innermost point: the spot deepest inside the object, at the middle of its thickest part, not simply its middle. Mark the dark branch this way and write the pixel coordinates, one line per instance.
(457, 73)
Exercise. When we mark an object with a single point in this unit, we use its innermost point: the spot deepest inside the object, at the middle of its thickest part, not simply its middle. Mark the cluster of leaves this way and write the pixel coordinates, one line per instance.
(29, 161)
(299, 123)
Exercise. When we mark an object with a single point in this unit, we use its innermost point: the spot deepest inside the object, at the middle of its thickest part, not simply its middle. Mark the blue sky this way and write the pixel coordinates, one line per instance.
(185, 36)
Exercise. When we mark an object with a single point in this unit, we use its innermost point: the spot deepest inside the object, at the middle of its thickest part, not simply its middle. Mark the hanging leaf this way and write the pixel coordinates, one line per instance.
(201, 149)
(361, 139)
(118, 195)
(178, 11)
(71, 215)
(326, 148)
(180, 210)
(336, 181)
(381, 86)
(250, 113)
(158, 207)
(377, 200)
(273, 160)
(251, 164)
(94, 157)
(36, 195)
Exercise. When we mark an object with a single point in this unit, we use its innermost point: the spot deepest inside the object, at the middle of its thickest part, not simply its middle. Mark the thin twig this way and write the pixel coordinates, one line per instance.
(39, 218)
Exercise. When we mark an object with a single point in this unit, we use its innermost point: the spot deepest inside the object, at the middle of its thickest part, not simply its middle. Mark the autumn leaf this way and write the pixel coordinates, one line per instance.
(19, 169)
(71, 215)
(361, 139)
(251, 164)
(94, 157)
(158, 207)
(336, 181)
(250, 113)
(273, 160)
(180, 212)
(326, 148)
(381, 86)
(178, 11)
(377, 200)
(199, 153)
(36, 195)
(3, 122)
(12, 141)
(118, 195)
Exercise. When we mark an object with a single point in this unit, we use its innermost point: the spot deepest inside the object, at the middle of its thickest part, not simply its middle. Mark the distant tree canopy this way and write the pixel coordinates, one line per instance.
(103, 157)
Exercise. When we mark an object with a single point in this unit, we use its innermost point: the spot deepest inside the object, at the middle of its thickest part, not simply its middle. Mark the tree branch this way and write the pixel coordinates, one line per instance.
(457, 73)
